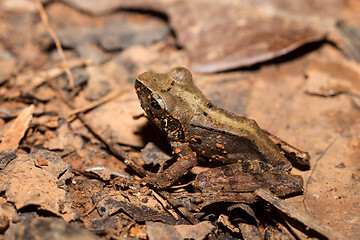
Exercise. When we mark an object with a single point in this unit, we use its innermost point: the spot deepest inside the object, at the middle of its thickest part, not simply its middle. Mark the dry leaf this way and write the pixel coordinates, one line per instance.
(222, 35)
(198, 231)
(17, 130)
(49, 228)
(332, 74)
(65, 139)
(115, 120)
(161, 231)
(26, 182)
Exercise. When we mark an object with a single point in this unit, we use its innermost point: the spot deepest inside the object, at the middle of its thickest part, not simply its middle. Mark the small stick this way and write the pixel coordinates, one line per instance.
(37, 78)
(113, 94)
(45, 20)
(107, 170)
(165, 205)
(299, 215)
(184, 211)
(114, 148)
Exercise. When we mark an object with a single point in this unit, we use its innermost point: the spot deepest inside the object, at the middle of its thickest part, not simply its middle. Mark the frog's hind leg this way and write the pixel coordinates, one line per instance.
(187, 160)
(295, 156)
(232, 178)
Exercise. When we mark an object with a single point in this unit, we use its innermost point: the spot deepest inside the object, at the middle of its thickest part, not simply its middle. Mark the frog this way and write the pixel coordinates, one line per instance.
(198, 129)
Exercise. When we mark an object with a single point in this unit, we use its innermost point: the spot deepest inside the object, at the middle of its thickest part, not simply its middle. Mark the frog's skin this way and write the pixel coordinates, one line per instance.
(195, 126)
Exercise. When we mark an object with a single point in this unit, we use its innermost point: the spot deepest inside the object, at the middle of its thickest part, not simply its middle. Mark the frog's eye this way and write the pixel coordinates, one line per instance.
(157, 102)
(180, 75)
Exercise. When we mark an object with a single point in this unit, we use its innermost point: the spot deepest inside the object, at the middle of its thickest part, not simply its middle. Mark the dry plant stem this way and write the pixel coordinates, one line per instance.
(301, 216)
(165, 205)
(45, 21)
(114, 149)
(286, 229)
(113, 94)
(117, 151)
(38, 78)
(107, 170)
(224, 220)
(187, 214)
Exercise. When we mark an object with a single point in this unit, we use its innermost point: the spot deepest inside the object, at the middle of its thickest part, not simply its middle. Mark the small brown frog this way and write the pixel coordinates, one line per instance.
(195, 127)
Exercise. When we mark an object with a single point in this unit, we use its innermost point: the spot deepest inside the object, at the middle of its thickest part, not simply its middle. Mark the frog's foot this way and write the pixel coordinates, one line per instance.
(187, 160)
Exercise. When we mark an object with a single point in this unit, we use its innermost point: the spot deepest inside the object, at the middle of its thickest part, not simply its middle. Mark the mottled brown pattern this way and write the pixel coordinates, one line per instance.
(218, 135)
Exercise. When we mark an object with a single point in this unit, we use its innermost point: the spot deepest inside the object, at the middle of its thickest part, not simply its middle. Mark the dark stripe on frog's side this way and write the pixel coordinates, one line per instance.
(206, 140)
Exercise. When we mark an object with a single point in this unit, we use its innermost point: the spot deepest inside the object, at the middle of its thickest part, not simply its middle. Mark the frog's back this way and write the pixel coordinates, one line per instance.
(229, 137)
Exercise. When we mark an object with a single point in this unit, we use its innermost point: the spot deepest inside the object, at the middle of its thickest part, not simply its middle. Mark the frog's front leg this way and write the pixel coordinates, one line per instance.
(186, 161)
(232, 178)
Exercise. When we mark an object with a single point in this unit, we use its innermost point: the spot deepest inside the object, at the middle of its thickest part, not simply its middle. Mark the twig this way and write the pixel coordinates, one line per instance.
(184, 211)
(113, 94)
(165, 205)
(37, 78)
(119, 152)
(107, 170)
(299, 215)
(45, 21)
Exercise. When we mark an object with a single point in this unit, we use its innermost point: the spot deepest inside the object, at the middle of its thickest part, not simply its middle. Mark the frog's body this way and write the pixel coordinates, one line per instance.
(193, 123)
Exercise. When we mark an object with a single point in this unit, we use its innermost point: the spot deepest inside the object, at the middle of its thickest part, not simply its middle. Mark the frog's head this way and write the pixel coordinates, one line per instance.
(168, 99)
